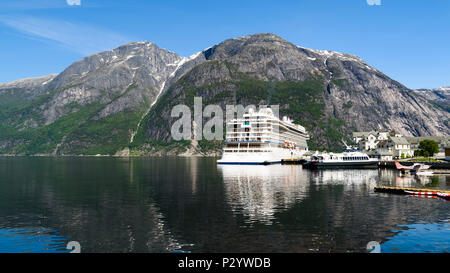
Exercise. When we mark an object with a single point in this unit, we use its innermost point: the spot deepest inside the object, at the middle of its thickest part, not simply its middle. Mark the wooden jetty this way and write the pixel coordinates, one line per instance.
(418, 191)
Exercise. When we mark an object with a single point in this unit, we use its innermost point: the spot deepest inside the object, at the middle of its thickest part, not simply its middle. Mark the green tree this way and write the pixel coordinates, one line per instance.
(418, 153)
(429, 147)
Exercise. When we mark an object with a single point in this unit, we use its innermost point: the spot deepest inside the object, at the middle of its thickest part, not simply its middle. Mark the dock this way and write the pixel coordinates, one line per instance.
(418, 191)
(293, 161)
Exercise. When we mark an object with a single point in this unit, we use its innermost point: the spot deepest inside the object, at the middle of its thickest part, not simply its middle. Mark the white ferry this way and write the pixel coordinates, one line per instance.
(349, 158)
(259, 137)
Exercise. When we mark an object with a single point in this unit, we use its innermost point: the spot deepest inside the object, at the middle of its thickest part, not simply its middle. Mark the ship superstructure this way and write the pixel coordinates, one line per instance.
(259, 137)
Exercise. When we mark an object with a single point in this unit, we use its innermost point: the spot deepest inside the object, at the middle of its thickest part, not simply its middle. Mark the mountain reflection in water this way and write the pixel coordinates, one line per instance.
(192, 204)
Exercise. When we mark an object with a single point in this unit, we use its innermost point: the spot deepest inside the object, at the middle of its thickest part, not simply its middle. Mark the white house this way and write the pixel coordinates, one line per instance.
(399, 146)
(369, 140)
(393, 144)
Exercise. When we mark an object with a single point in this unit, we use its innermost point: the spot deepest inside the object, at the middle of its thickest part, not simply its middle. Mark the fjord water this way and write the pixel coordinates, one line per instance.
(192, 204)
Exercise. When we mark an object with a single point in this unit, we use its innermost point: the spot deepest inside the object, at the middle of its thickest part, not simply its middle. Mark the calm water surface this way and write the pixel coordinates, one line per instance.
(191, 204)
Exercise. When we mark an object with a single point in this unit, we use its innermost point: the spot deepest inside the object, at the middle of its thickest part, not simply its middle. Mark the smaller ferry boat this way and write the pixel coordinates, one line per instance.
(347, 159)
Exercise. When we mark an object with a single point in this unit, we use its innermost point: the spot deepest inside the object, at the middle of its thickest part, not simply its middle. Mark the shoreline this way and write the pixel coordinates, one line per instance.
(118, 156)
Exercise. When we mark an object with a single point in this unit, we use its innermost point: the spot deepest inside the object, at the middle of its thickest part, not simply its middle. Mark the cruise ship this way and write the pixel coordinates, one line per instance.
(259, 137)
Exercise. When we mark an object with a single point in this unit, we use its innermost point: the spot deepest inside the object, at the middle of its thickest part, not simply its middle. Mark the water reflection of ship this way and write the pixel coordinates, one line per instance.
(259, 191)
(346, 176)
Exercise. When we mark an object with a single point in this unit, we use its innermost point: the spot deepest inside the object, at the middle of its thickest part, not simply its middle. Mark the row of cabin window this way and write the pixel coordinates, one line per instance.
(355, 158)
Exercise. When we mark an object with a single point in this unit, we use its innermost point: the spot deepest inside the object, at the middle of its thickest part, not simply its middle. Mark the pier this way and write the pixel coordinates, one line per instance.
(293, 161)
(414, 191)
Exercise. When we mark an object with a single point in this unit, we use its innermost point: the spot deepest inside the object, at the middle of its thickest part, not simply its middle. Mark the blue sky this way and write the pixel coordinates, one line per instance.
(409, 40)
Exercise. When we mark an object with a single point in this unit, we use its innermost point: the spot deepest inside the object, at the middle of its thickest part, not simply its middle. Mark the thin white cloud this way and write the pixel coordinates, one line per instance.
(73, 2)
(81, 38)
(373, 2)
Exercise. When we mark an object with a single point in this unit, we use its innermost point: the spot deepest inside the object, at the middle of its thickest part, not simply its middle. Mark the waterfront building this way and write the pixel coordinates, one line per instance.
(369, 140)
(392, 142)
(381, 154)
(399, 146)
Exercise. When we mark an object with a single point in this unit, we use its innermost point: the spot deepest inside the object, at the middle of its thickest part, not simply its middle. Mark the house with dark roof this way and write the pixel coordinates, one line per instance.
(399, 146)
(393, 142)
(369, 140)
(381, 154)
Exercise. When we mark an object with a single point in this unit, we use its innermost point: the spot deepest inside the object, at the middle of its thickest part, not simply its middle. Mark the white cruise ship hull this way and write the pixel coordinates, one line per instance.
(258, 158)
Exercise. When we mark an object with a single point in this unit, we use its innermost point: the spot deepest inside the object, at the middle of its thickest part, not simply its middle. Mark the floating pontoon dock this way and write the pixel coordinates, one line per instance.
(414, 191)
(293, 161)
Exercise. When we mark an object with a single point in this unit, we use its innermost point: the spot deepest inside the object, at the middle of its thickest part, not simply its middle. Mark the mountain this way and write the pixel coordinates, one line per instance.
(330, 93)
(121, 100)
(93, 106)
(439, 96)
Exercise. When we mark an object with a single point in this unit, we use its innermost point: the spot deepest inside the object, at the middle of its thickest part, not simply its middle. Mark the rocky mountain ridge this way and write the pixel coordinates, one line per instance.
(100, 90)
(330, 93)
(122, 99)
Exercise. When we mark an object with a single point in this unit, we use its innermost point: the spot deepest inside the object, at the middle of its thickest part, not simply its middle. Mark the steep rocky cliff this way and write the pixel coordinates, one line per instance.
(108, 102)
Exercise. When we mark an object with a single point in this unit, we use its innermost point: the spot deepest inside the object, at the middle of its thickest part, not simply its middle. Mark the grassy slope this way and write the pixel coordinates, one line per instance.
(77, 132)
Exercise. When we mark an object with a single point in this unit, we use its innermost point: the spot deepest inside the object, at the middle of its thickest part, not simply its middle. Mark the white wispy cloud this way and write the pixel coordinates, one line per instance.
(73, 2)
(82, 38)
(373, 2)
